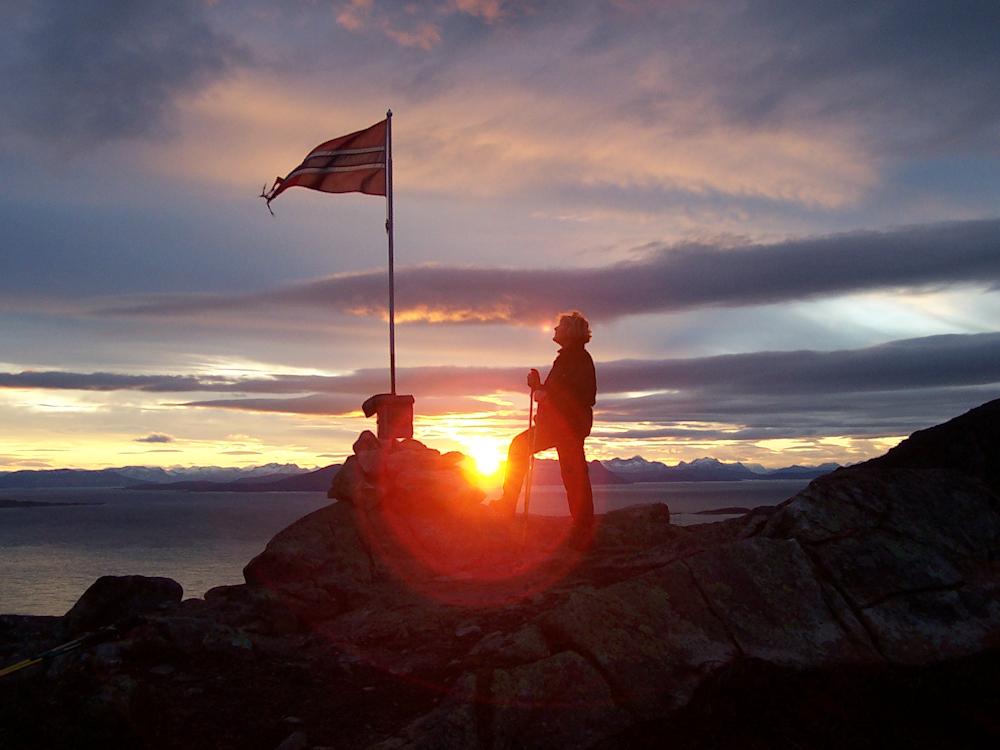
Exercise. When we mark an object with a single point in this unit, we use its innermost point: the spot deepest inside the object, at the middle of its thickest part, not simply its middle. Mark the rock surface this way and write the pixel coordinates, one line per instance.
(113, 598)
(863, 611)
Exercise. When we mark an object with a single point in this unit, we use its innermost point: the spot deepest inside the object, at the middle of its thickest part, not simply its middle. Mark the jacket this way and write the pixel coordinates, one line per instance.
(570, 393)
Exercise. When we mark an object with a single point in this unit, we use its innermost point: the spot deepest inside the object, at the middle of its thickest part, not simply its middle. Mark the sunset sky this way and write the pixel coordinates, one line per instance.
(782, 218)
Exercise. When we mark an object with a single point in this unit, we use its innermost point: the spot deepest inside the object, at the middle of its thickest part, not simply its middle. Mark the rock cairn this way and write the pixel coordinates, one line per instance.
(406, 476)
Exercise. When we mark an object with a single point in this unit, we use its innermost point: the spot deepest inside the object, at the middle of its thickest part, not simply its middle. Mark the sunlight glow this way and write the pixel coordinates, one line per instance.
(43, 401)
(243, 367)
(488, 454)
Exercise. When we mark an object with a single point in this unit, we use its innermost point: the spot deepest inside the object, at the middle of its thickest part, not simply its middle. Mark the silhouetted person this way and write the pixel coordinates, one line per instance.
(565, 416)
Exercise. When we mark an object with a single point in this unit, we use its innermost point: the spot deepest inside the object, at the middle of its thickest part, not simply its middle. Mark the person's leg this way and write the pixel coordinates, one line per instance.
(576, 480)
(517, 465)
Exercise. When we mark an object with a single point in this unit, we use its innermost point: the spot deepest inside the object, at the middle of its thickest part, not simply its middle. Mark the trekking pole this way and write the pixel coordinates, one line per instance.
(108, 632)
(531, 465)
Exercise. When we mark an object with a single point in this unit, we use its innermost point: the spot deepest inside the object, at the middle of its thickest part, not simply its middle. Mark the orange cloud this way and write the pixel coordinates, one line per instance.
(489, 10)
(425, 35)
(354, 15)
(501, 140)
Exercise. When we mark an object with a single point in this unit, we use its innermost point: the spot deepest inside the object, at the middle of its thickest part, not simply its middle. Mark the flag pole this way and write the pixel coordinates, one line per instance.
(388, 229)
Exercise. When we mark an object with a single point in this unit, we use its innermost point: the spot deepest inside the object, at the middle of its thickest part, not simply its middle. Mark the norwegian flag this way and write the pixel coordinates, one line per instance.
(353, 163)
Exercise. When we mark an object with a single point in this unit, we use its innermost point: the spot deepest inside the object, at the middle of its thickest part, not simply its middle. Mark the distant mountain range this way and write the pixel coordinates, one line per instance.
(127, 476)
(638, 469)
(546, 471)
(293, 478)
(312, 481)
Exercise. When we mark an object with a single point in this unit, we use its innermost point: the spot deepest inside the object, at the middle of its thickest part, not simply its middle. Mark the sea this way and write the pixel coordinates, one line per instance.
(49, 555)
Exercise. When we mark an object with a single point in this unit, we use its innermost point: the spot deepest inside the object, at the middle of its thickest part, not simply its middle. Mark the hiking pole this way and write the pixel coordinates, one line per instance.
(108, 632)
(531, 464)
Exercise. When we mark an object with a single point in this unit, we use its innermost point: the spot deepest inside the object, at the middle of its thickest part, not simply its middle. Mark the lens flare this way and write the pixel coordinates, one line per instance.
(488, 454)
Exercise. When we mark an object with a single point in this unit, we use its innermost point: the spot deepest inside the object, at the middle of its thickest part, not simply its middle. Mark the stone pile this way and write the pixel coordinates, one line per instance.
(405, 475)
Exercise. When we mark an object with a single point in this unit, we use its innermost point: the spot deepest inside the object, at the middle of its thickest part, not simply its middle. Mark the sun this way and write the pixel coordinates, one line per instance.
(487, 454)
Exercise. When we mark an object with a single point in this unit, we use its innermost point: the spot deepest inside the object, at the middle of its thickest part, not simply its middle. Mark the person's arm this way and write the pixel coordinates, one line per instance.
(535, 384)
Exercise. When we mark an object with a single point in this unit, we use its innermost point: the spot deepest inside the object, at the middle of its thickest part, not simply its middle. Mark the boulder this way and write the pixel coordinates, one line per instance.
(317, 567)
(110, 599)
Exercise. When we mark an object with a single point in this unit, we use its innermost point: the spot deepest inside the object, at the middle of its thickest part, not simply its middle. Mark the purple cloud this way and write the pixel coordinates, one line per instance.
(669, 279)
(155, 437)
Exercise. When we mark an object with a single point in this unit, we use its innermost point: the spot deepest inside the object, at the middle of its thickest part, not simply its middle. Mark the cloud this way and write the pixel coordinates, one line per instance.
(96, 70)
(488, 10)
(315, 404)
(354, 15)
(889, 389)
(155, 437)
(106, 381)
(464, 131)
(357, 15)
(794, 60)
(669, 279)
(424, 35)
(710, 415)
(927, 362)
(321, 405)
(24, 463)
(240, 453)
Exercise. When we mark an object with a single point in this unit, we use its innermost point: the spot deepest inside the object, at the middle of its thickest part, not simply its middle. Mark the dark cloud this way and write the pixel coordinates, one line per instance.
(106, 381)
(920, 73)
(668, 279)
(928, 362)
(154, 438)
(932, 361)
(152, 450)
(316, 404)
(889, 389)
(96, 70)
(873, 414)
(907, 76)
(431, 381)
(320, 405)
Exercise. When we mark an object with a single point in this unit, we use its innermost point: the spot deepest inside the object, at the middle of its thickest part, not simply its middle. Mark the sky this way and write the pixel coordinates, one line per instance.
(782, 219)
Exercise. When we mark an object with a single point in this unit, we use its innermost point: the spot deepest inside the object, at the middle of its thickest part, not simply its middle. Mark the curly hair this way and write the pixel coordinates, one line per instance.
(578, 325)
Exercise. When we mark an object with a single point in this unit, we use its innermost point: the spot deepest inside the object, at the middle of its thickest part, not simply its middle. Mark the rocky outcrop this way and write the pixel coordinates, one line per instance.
(912, 551)
(966, 445)
(407, 615)
(111, 599)
(871, 565)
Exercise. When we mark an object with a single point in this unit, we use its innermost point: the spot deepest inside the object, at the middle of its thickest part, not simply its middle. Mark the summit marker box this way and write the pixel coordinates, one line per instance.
(394, 414)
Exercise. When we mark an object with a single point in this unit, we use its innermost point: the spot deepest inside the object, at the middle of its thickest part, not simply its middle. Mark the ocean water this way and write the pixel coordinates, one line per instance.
(50, 555)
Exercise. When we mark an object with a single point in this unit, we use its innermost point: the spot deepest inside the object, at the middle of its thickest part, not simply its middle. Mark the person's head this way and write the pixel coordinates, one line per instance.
(572, 329)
